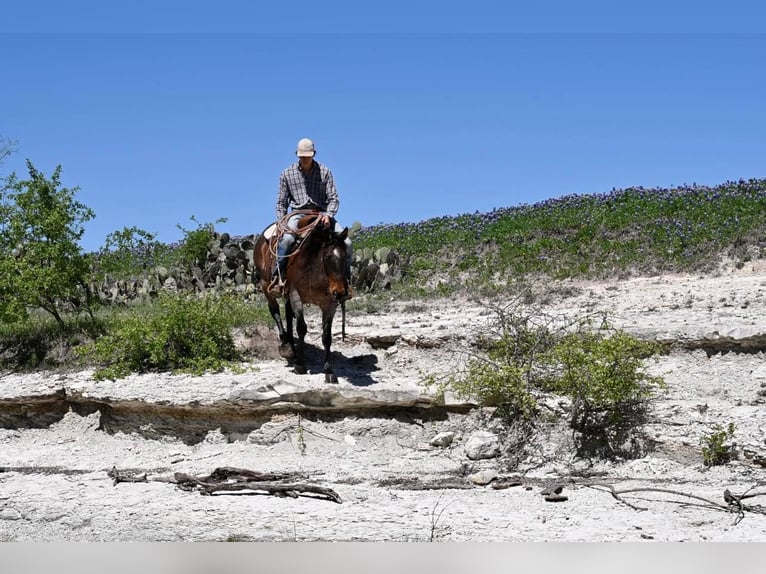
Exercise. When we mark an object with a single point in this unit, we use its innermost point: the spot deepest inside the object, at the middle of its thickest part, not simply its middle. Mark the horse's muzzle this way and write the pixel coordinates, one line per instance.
(341, 295)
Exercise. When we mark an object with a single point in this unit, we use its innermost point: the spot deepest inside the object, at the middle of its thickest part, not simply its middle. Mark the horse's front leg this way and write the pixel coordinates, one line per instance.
(327, 316)
(285, 337)
(287, 343)
(296, 305)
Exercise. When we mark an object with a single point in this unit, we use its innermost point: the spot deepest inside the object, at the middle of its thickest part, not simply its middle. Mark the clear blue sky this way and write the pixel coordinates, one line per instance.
(170, 111)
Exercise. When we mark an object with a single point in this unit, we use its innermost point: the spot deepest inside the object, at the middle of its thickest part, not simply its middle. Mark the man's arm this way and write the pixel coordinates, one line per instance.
(333, 201)
(283, 198)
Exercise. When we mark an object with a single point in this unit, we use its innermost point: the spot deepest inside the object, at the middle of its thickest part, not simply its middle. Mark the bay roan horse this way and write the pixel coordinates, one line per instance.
(316, 275)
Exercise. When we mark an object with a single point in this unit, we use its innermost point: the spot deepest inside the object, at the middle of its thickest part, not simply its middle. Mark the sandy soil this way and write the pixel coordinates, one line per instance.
(394, 485)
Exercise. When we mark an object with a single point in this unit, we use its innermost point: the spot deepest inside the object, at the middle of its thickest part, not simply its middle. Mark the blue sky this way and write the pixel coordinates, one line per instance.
(191, 113)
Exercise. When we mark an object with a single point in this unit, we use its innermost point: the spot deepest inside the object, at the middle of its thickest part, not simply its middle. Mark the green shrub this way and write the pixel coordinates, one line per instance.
(193, 249)
(180, 334)
(602, 373)
(130, 251)
(508, 371)
(600, 370)
(500, 385)
(41, 342)
(716, 446)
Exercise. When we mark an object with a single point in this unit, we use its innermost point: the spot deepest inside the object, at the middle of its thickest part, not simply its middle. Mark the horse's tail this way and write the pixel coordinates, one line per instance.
(261, 259)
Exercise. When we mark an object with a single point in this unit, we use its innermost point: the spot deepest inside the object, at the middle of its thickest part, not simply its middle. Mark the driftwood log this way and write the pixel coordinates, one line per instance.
(230, 479)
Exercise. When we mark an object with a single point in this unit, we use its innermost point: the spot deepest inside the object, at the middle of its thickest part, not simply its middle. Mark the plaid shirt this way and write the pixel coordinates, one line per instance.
(300, 191)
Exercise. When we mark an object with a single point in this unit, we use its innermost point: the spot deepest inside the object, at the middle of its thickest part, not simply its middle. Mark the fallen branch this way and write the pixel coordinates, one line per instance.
(118, 476)
(230, 479)
(292, 490)
(733, 501)
(242, 474)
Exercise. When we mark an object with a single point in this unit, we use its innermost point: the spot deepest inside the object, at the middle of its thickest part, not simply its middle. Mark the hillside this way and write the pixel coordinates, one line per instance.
(633, 231)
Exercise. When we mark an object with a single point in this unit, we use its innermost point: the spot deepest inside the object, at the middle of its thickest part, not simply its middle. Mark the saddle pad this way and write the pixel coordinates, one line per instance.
(269, 231)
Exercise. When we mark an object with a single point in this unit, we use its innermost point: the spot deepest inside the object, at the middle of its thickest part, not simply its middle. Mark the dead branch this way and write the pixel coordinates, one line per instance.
(733, 502)
(230, 479)
(118, 476)
(278, 489)
(242, 474)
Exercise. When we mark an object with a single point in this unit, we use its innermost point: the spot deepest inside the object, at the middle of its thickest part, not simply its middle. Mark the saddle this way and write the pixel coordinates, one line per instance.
(276, 230)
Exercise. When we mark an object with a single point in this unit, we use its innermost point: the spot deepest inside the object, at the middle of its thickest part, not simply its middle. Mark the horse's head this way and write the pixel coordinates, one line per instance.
(334, 255)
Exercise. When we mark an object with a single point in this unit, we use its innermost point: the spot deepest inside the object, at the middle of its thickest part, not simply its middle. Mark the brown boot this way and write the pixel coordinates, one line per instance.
(276, 287)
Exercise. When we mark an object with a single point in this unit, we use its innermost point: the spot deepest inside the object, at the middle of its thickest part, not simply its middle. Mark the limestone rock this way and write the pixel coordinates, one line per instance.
(481, 445)
(483, 477)
(443, 439)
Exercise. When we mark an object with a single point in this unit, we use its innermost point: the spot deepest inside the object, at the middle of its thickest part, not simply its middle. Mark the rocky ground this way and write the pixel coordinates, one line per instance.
(372, 438)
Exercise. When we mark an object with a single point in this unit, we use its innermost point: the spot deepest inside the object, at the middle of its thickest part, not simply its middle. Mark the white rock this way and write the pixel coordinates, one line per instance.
(443, 439)
(482, 444)
(482, 477)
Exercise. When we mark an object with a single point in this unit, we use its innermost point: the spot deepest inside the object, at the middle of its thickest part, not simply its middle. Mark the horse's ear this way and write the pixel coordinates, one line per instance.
(343, 234)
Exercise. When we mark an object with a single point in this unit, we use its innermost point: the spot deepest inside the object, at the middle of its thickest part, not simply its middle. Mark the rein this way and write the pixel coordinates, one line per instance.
(283, 228)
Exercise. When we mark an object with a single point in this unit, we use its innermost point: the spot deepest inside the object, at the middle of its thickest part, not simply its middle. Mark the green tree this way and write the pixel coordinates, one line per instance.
(9, 307)
(7, 147)
(41, 262)
(129, 251)
(193, 249)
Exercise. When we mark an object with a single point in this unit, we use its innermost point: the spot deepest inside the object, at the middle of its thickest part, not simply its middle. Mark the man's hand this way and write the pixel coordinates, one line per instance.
(325, 219)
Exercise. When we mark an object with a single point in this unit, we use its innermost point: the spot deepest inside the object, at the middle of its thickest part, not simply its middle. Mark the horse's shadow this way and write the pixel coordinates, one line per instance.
(357, 369)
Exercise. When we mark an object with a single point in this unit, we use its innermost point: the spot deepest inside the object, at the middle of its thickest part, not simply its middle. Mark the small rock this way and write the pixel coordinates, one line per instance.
(481, 445)
(10, 514)
(507, 482)
(556, 498)
(443, 439)
(391, 351)
(553, 489)
(482, 477)
(215, 437)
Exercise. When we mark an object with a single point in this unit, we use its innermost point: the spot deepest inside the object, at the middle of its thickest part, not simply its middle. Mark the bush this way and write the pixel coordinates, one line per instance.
(716, 447)
(509, 370)
(600, 370)
(130, 251)
(500, 385)
(41, 342)
(193, 249)
(180, 334)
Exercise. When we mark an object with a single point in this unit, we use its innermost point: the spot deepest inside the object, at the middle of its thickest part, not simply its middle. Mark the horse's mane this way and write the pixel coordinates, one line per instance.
(312, 231)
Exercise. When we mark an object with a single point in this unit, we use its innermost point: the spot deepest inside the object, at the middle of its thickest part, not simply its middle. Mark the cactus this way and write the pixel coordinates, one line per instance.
(354, 229)
(381, 254)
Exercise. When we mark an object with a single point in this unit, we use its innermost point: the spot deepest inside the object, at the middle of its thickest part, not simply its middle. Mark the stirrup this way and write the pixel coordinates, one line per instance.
(276, 287)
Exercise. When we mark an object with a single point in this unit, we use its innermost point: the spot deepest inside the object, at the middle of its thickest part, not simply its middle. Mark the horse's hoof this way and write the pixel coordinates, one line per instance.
(300, 369)
(286, 351)
(330, 378)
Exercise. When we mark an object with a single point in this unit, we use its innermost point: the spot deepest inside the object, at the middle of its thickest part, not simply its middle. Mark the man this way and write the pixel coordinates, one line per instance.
(306, 184)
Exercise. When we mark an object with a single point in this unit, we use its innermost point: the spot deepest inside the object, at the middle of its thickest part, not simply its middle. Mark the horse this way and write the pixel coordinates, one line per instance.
(316, 275)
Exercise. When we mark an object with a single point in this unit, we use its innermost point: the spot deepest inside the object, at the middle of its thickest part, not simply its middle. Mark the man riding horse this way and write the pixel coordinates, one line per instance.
(305, 185)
